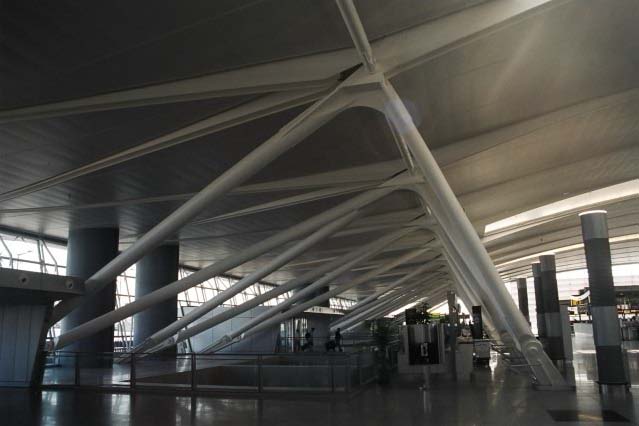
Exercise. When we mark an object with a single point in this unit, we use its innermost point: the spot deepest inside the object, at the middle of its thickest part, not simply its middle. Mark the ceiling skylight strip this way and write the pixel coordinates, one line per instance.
(571, 247)
(629, 189)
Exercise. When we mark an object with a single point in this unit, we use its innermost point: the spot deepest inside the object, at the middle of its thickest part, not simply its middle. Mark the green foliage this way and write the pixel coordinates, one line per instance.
(383, 331)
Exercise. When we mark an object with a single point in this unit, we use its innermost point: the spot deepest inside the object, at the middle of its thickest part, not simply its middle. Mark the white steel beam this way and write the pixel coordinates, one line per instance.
(313, 72)
(222, 266)
(378, 307)
(339, 264)
(361, 176)
(417, 297)
(470, 291)
(383, 310)
(271, 316)
(365, 310)
(297, 249)
(234, 116)
(396, 53)
(454, 222)
(294, 200)
(436, 192)
(356, 229)
(377, 295)
(287, 137)
(358, 34)
(328, 279)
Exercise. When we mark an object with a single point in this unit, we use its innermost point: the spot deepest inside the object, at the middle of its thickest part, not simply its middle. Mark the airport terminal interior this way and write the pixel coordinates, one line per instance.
(319, 212)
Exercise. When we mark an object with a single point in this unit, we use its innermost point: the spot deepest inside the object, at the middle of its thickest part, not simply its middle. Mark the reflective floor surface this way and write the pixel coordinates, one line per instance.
(495, 396)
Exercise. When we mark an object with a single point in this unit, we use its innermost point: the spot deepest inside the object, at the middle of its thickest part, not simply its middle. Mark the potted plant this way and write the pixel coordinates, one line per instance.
(381, 330)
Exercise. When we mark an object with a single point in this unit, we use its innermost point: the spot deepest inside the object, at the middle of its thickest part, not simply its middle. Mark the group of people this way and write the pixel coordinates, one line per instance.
(332, 345)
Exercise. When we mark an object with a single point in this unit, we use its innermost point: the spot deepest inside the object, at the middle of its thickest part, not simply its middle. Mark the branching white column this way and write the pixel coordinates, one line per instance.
(470, 298)
(287, 137)
(224, 265)
(339, 264)
(376, 311)
(376, 304)
(382, 305)
(419, 272)
(495, 320)
(259, 324)
(379, 293)
(454, 222)
(279, 261)
(417, 297)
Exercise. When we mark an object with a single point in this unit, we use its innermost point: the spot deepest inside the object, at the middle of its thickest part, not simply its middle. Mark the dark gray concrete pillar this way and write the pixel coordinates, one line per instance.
(539, 302)
(88, 250)
(550, 297)
(478, 323)
(153, 271)
(603, 301)
(453, 323)
(522, 296)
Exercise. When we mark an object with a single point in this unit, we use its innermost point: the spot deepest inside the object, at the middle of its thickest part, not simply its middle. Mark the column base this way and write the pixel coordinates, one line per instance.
(561, 364)
(616, 389)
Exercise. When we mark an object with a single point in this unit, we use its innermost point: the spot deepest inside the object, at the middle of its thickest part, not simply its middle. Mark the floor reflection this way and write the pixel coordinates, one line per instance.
(494, 396)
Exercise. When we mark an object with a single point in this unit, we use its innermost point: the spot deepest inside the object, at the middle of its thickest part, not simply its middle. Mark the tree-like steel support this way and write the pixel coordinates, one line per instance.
(385, 310)
(447, 211)
(280, 260)
(375, 307)
(417, 273)
(287, 137)
(258, 324)
(379, 310)
(455, 224)
(230, 262)
(477, 295)
(469, 297)
(376, 295)
(366, 87)
(311, 289)
(331, 269)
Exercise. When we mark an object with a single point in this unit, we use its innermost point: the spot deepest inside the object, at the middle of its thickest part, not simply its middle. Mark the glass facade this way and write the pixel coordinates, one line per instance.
(569, 284)
(39, 255)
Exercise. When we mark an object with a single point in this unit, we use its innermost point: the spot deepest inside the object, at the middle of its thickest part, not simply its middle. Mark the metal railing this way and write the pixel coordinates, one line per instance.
(193, 372)
(350, 343)
(514, 359)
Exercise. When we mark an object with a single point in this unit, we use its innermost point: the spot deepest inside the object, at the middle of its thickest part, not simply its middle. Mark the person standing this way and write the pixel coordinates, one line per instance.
(338, 340)
(297, 344)
(309, 339)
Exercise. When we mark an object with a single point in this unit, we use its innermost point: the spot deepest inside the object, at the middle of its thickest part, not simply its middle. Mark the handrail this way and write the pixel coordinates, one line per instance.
(187, 354)
(255, 372)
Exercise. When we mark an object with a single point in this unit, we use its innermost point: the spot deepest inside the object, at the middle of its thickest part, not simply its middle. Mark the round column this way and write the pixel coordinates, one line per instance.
(152, 272)
(522, 296)
(88, 250)
(539, 301)
(605, 321)
(550, 297)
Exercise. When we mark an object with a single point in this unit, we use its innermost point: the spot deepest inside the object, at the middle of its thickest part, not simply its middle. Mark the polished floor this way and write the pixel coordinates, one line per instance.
(495, 396)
